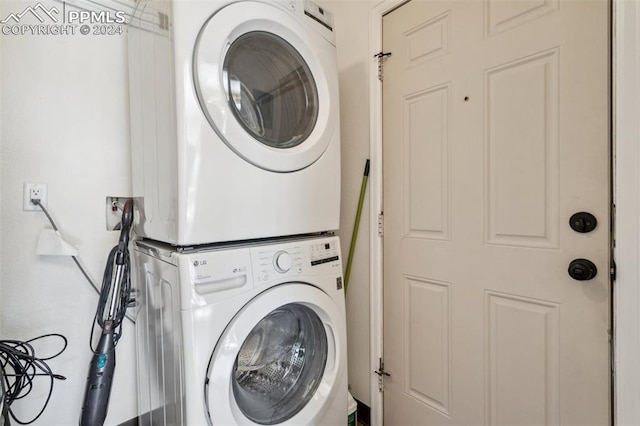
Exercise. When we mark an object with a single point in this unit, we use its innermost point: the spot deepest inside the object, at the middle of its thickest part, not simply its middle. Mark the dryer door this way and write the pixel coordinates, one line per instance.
(267, 85)
(278, 360)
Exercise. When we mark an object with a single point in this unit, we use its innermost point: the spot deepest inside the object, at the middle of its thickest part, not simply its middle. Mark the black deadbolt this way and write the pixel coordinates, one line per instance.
(582, 269)
(583, 222)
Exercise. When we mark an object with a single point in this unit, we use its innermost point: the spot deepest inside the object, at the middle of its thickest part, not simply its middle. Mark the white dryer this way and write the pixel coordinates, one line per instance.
(235, 120)
(242, 335)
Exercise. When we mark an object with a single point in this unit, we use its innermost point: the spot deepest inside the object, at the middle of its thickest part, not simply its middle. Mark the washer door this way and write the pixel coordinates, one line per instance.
(266, 85)
(276, 362)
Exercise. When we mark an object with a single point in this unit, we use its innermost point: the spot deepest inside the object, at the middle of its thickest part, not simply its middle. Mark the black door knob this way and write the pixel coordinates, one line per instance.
(583, 222)
(582, 269)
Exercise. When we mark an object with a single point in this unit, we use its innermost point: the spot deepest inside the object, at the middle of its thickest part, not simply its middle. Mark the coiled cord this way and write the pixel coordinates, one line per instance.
(20, 367)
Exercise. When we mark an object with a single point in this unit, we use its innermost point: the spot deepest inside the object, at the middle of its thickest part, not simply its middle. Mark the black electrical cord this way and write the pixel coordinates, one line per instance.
(20, 367)
(77, 261)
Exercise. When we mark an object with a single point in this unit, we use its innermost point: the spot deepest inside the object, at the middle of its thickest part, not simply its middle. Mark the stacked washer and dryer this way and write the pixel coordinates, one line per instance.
(236, 171)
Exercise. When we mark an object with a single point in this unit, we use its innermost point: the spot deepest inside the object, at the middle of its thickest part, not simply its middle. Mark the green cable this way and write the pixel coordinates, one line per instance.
(356, 225)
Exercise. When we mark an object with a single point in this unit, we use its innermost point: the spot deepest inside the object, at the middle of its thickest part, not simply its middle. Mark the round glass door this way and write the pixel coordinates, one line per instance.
(267, 85)
(270, 89)
(280, 364)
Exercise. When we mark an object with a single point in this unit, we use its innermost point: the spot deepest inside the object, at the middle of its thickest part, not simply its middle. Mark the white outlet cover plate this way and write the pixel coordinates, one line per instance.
(26, 196)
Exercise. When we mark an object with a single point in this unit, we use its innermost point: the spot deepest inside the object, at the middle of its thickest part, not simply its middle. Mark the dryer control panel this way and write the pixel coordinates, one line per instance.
(318, 14)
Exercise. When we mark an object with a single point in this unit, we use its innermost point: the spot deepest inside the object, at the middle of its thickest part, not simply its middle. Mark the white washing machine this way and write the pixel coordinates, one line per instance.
(235, 120)
(241, 335)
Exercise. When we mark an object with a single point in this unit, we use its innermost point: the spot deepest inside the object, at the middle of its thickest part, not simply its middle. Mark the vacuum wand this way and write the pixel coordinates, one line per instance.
(114, 298)
(99, 379)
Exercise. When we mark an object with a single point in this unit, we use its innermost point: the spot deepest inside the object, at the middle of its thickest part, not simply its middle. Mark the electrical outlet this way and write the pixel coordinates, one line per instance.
(31, 191)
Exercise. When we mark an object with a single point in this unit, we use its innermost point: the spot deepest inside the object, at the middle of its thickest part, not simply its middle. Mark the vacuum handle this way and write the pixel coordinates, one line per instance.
(99, 379)
(127, 221)
(127, 214)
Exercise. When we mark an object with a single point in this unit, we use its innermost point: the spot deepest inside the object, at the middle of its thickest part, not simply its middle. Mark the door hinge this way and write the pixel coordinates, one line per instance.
(381, 224)
(381, 374)
(381, 56)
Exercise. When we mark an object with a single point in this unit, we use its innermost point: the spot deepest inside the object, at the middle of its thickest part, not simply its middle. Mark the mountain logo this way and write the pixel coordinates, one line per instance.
(38, 11)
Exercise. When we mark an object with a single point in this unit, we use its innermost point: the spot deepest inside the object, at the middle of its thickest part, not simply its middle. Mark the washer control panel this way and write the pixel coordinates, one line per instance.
(299, 258)
(236, 269)
(273, 262)
(324, 252)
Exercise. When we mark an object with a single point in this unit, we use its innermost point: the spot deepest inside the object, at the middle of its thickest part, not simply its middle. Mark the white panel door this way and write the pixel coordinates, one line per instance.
(495, 132)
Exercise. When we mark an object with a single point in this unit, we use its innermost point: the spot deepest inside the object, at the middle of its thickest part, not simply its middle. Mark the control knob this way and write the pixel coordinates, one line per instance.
(282, 261)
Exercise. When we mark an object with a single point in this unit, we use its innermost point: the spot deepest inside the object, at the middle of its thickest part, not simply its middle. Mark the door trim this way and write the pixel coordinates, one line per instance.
(626, 175)
(377, 11)
(626, 103)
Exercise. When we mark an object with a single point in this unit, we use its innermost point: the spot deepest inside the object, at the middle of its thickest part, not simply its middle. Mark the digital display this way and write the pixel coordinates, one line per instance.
(324, 253)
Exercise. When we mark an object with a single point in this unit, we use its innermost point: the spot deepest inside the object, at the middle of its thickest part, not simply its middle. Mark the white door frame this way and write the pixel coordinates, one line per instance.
(376, 13)
(626, 86)
(626, 124)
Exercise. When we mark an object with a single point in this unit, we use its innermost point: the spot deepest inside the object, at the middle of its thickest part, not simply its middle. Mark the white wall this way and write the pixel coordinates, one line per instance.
(1, 156)
(65, 123)
(352, 32)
